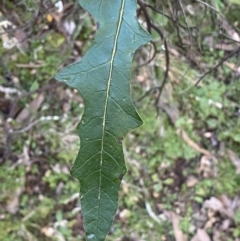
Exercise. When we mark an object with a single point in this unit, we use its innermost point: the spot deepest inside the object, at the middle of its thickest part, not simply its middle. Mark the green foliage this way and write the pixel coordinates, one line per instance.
(102, 79)
(10, 180)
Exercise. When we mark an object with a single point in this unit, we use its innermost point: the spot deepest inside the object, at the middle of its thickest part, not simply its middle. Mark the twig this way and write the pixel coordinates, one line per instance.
(194, 145)
(27, 128)
(212, 69)
(167, 58)
(152, 58)
(165, 15)
(185, 17)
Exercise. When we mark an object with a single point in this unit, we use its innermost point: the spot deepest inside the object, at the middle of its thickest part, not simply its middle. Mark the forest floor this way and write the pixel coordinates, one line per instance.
(183, 178)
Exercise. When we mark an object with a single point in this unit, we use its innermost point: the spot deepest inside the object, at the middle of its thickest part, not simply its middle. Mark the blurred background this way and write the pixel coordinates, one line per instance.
(183, 179)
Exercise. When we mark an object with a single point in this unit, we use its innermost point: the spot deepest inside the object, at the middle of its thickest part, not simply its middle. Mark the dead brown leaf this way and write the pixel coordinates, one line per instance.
(13, 205)
(178, 233)
(206, 167)
(192, 181)
(201, 235)
(213, 203)
(33, 106)
(235, 160)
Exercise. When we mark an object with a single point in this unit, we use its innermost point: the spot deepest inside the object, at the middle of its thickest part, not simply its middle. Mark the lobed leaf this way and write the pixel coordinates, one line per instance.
(102, 78)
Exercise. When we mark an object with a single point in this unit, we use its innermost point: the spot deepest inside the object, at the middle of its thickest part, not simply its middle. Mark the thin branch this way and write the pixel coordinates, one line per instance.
(165, 15)
(185, 17)
(167, 59)
(150, 59)
(212, 69)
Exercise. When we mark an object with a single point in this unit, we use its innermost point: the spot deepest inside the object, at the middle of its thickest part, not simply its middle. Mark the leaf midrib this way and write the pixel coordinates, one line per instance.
(107, 97)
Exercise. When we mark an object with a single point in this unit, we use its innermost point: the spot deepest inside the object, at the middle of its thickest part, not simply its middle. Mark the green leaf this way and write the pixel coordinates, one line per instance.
(234, 2)
(102, 78)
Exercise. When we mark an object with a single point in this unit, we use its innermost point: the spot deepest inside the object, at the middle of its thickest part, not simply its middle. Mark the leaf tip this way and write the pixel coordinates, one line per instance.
(59, 77)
